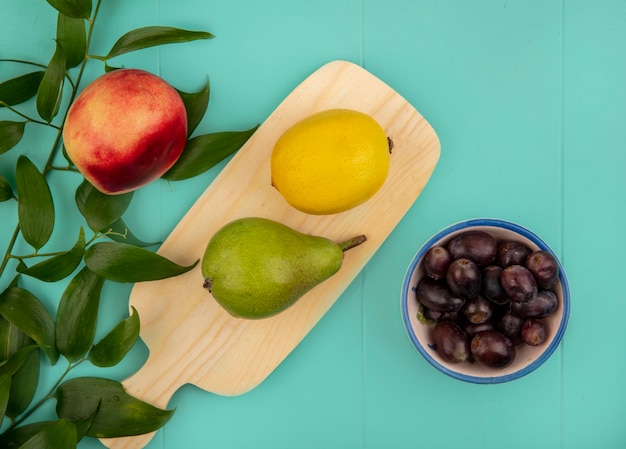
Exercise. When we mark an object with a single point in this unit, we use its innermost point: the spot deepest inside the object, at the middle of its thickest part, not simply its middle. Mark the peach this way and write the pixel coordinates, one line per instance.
(125, 129)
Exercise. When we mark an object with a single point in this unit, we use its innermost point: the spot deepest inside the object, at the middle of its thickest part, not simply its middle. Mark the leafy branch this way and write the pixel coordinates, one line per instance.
(85, 406)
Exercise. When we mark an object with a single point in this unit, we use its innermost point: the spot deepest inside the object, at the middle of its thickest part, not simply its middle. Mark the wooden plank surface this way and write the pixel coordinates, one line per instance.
(191, 339)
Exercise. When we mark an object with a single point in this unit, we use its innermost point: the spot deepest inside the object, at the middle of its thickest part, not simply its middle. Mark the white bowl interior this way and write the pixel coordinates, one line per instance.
(528, 358)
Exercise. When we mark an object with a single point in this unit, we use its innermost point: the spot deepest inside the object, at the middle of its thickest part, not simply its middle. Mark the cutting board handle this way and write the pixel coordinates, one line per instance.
(146, 386)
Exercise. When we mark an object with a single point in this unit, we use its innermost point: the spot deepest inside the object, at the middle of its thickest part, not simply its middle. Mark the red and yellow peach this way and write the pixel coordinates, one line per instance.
(125, 129)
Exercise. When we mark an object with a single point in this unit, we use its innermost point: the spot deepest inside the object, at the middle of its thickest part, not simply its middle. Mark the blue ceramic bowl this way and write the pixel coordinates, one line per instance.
(528, 358)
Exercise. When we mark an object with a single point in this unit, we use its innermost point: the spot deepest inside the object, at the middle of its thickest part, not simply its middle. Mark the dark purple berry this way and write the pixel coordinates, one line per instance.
(464, 277)
(451, 342)
(478, 246)
(544, 303)
(477, 309)
(518, 283)
(534, 332)
(544, 268)
(492, 287)
(510, 325)
(472, 329)
(492, 349)
(437, 297)
(436, 262)
(512, 253)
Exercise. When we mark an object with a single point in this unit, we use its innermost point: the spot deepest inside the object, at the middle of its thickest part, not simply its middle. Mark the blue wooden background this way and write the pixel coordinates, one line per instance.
(529, 102)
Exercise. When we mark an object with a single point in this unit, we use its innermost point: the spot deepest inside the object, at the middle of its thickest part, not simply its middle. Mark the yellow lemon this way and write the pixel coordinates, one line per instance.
(330, 161)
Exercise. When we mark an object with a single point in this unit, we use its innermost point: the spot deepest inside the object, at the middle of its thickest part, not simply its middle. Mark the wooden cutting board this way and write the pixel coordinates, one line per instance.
(191, 339)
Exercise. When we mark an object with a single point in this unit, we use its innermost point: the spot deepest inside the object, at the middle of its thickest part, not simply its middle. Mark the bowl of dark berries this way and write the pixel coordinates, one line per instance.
(485, 301)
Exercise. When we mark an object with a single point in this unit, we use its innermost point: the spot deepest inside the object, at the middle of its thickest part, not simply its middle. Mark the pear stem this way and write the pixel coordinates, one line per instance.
(351, 243)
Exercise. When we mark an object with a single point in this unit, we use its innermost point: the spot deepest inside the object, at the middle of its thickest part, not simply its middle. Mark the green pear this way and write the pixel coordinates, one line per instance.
(256, 267)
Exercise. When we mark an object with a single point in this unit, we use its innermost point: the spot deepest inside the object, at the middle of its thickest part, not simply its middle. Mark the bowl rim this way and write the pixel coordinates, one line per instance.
(485, 222)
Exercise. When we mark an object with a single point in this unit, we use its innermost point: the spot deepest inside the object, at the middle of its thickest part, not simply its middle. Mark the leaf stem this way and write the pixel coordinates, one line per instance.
(59, 135)
(7, 254)
(81, 70)
(68, 168)
(31, 256)
(21, 61)
(103, 234)
(49, 395)
(29, 119)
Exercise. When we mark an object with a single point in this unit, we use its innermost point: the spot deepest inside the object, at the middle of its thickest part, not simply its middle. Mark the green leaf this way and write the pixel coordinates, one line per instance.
(73, 8)
(5, 390)
(203, 152)
(121, 233)
(59, 434)
(80, 197)
(71, 34)
(152, 36)
(67, 157)
(21, 88)
(35, 206)
(27, 312)
(15, 437)
(59, 266)
(13, 364)
(101, 210)
(196, 105)
(6, 192)
(83, 425)
(20, 266)
(51, 87)
(109, 68)
(11, 338)
(24, 385)
(118, 414)
(77, 315)
(115, 345)
(122, 262)
(10, 134)
(15, 281)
